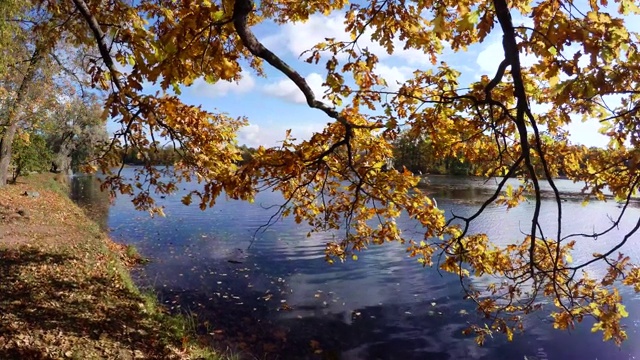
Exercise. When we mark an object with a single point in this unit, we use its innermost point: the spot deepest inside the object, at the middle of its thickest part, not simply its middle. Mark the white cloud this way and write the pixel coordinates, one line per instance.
(490, 58)
(415, 57)
(250, 135)
(395, 76)
(520, 20)
(269, 135)
(586, 133)
(287, 90)
(202, 88)
(580, 132)
(299, 37)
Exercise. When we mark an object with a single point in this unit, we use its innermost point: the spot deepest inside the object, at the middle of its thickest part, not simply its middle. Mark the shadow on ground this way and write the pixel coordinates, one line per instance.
(53, 305)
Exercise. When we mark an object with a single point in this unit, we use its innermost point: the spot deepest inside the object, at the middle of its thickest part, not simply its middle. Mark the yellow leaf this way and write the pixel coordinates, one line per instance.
(468, 21)
(622, 310)
(568, 258)
(438, 24)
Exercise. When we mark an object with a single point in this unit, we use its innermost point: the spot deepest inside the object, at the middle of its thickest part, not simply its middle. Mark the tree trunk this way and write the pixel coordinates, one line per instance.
(6, 142)
(6, 151)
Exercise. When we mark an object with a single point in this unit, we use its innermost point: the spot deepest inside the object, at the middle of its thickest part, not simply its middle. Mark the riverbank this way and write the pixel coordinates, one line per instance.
(65, 287)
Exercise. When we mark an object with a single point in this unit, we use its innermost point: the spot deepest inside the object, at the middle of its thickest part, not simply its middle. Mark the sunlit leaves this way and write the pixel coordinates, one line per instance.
(583, 66)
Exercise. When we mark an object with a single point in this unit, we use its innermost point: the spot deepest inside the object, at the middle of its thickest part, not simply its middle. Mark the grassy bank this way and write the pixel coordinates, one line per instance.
(65, 290)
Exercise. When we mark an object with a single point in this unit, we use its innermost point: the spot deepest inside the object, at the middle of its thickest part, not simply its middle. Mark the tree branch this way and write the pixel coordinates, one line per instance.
(99, 35)
(241, 12)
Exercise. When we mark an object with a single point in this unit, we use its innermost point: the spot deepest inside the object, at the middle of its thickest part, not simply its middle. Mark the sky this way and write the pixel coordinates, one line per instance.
(274, 104)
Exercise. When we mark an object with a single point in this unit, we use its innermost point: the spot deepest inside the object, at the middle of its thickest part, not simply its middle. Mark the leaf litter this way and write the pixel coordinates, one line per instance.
(66, 291)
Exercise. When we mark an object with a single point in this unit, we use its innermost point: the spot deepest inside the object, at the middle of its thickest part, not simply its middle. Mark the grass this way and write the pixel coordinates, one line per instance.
(67, 292)
(133, 255)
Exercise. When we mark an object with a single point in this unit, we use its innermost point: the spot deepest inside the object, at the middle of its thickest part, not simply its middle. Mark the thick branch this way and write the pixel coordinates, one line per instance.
(241, 11)
(511, 54)
(99, 35)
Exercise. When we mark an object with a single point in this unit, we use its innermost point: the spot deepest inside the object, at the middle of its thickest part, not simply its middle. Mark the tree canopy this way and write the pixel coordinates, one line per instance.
(585, 55)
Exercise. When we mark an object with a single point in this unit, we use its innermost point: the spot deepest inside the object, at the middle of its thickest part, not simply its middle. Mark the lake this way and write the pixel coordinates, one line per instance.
(279, 299)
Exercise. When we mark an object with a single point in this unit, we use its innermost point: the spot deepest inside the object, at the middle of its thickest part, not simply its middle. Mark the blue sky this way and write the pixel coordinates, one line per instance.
(274, 104)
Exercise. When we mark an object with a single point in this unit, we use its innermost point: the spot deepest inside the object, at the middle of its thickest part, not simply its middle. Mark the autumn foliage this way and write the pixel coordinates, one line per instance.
(337, 179)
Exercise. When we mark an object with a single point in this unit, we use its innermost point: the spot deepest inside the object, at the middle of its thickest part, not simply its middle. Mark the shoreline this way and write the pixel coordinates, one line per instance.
(67, 288)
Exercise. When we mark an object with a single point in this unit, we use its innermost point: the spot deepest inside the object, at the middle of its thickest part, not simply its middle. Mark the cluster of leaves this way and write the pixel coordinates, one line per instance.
(30, 154)
(336, 179)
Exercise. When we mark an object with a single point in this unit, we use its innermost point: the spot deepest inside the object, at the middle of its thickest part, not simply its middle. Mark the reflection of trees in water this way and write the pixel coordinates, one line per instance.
(85, 191)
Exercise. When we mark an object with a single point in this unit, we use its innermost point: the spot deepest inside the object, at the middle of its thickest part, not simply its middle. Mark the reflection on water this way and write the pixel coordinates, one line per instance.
(279, 299)
(85, 191)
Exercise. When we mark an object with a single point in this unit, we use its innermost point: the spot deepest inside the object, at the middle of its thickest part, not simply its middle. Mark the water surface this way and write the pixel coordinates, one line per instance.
(279, 299)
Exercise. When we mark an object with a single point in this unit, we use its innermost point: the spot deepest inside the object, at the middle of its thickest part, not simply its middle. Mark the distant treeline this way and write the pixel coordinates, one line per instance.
(418, 155)
(247, 153)
(168, 155)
